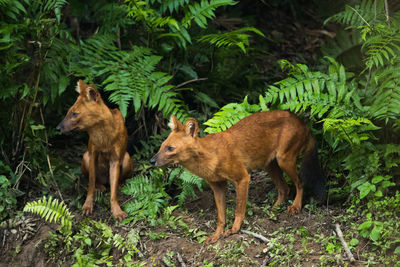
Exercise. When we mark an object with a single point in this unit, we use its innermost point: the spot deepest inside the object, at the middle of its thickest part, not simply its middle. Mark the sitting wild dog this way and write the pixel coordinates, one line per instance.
(272, 139)
(106, 160)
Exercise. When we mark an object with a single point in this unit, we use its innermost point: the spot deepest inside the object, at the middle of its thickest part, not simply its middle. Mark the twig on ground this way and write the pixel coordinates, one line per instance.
(178, 255)
(344, 244)
(265, 261)
(263, 238)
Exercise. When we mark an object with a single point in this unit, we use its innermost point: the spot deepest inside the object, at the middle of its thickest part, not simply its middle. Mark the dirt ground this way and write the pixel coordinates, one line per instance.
(302, 235)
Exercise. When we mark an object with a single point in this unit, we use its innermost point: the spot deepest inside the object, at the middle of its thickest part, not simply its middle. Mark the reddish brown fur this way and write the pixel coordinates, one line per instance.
(106, 159)
(271, 139)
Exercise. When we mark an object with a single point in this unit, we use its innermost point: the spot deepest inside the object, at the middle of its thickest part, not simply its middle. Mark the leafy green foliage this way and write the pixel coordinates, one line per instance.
(156, 21)
(8, 200)
(237, 38)
(362, 14)
(130, 76)
(345, 48)
(322, 94)
(148, 197)
(381, 47)
(12, 8)
(229, 115)
(91, 244)
(51, 209)
(351, 130)
(186, 181)
(200, 12)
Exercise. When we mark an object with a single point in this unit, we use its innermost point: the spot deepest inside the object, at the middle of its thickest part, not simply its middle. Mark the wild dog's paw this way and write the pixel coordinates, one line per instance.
(293, 210)
(100, 187)
(87, 208)
(118, 213)
(231, 232)
(212, 238)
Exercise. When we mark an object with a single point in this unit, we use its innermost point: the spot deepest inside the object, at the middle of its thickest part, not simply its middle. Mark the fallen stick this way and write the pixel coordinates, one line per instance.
(180, 259)
(344, 244)
(263, 238)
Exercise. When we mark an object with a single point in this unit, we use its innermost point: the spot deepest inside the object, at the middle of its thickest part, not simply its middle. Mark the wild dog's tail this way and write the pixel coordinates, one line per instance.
(314, 180)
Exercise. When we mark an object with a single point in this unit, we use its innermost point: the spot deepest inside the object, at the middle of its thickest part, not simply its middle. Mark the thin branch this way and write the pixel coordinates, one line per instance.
(190, 81)
(387, 12)
(48, 157)
(344, 244)
(178, 255)
(355, 10)
(261, 237)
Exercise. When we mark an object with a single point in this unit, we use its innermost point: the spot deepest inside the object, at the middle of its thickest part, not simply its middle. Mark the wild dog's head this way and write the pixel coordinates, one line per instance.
(180, 144)
(85, 112)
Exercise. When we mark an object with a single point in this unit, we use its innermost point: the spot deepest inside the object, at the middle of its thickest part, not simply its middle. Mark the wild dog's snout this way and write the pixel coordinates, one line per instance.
(59, 127)
(153, 160)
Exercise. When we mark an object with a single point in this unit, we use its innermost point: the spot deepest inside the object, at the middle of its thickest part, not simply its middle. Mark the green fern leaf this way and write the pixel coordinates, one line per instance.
(129, 76)
(51, 210)
(200, 12)
(229, 115)
(234, 38)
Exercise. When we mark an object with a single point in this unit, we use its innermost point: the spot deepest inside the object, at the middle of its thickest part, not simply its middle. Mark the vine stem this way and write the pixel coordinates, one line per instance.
(48, 156)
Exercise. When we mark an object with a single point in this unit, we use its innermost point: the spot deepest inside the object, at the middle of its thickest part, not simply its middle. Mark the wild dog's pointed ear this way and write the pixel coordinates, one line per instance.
(175, 124)
(191, 127)
(80, 86)
(92, 94)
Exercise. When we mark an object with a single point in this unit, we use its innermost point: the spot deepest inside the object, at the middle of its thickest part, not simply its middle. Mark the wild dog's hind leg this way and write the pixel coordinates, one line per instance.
(85, 171)
(126, 168)
(288, 164)
(277, 178)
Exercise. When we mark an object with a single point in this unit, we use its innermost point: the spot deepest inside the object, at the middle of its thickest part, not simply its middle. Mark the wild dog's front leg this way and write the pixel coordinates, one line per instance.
(219, 189)
(87, 207)
(114, 182)
(242, 189)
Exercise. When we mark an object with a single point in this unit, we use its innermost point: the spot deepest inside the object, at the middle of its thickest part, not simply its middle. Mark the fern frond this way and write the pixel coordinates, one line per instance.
(382, 46)
(148, 198)
(129, 76)
(187, 182)
(385, 103)
(391, 149)
(153, 20)
(12, 8)
(51, 210)
(229, 115)
(200, 12)
(345, 48)
(56, 6)
(369, 12)
(322, 94)
(353, 131)
(173, 5)
(237, 38)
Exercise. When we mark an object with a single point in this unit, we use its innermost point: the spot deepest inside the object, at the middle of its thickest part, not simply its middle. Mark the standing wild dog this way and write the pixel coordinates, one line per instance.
(272, 139)
(106, 156)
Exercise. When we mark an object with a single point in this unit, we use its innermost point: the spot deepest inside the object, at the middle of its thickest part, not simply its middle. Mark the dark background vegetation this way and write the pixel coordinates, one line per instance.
(334, 63)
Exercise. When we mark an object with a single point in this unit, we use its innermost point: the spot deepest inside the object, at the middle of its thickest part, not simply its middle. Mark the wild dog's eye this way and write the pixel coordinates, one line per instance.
(170, 148)
(74, 114)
